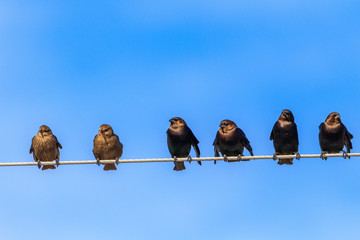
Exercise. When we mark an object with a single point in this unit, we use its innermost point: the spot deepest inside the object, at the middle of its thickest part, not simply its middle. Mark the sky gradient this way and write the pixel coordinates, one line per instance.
(74, 65)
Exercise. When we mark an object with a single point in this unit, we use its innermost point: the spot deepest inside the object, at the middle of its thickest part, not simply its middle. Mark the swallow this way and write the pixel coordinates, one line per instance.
(230, 141)
(285, 137)
(180, 138)
(333, 136)
(107, 146)
(45, 148)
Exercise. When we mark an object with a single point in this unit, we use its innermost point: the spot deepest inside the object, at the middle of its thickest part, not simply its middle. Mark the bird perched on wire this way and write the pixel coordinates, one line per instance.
(107, 146)
(285, 137)
(45, 148)
(180, 138)
(230, 141)
(333, 136)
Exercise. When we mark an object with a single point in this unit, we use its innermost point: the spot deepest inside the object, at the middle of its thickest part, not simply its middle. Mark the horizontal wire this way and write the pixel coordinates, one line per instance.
(243, 158)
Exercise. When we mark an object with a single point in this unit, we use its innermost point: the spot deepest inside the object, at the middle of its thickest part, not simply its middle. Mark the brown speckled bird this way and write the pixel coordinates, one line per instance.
(180, 138)
(230, 141)
(285, 137)
(333, 136)
(45, 147)
(107, 146)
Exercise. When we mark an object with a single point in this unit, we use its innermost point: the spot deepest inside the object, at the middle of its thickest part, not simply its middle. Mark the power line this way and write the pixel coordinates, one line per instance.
(243, 158)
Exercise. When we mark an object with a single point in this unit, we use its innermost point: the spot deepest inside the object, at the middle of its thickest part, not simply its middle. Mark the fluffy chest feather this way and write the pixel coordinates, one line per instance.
(178, 134)
(43, 143)
(228, 137)
(333, 128)
(284, 124)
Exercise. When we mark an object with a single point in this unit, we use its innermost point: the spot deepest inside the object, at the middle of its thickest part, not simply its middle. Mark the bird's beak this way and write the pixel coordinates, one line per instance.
(102, 132)
(337, 116)
(41, 132)
(171, 121)
(222, 128)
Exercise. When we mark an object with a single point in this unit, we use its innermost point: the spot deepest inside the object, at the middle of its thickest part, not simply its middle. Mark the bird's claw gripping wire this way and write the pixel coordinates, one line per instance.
(322, 155)
(275, 157)
(39, 164)
(117, 161)
(57, 162)
(225, 158)
(298, 156)
(345, 155)
(98, 162)
(189, 159)
(239, 157)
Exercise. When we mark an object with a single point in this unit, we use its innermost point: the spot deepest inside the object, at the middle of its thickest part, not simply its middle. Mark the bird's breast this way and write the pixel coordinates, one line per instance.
(284, 124)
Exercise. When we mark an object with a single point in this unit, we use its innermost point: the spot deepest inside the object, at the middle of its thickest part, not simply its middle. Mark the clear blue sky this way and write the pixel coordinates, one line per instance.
(74, 65)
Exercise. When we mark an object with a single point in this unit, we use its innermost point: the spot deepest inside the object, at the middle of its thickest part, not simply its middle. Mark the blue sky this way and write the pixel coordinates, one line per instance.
(75, 65)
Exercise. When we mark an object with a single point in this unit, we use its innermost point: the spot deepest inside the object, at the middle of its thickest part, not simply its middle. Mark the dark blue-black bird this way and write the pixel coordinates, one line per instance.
(333, 136)
(180, 138)
(285, 137)
(230, 141)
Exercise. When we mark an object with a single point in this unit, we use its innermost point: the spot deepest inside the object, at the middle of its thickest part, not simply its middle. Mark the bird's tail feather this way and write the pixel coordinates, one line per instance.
(45, 167)
(110, 166)
(233, 161)
(287, 161)
(179, 166)
(249, 148)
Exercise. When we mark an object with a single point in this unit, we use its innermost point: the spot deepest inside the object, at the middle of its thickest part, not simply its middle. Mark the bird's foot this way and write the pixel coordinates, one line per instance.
(189, 159)
(345, 155)
(322, 155)
(275, 157)
(239, 157)
(57, 162)
(117, 161)
(98, 162)
(225, 158)
(175, 159)
(298, 156)
(39, 164)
